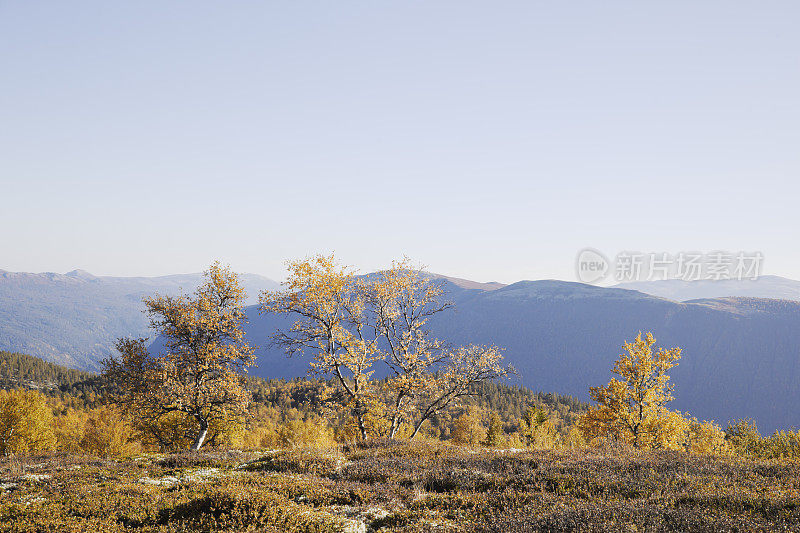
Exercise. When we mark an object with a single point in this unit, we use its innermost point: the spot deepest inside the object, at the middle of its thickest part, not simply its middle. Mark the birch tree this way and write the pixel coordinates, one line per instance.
(329, 303)
(200, 372)
(633, 407)
(352, 323)
(401, 301)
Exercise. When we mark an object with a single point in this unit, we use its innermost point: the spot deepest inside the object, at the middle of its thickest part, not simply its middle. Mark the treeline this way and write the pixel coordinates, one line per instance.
(74, 388)
(47, 407)
(197, 394)
(56, 408)
(511, 404)
(53, 408)
(17, 369)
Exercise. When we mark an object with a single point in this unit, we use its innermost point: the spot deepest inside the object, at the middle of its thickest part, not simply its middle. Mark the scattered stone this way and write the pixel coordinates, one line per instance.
(376, 513)
(202, 475)
(166, 480)
(33, 499)
(354, 526)
(36, 477)
(198, 476)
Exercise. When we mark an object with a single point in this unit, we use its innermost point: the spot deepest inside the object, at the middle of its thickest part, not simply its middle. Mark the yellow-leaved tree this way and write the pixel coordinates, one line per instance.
(633, 408)
(401, 300)
(352, 323)
(468, 428)
(453, 379)
(25, 423)
(537, 429)
(197, 383)
(330, 303)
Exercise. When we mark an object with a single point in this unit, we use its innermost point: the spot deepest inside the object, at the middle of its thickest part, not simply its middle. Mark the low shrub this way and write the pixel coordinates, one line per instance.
(239, 509)
(324, 463)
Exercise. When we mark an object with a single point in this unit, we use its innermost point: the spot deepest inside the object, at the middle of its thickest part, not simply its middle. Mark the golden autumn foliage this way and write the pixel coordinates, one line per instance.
(495, 436)
(460, 369)
(197, 383)
(69, 428)
(402, 300)
(538, 430)
(468, 428)
(195, 393)
(632, 408)
(742, 438)
(332, 324)
(309, 433)
(351, 323)
(103, 431)
(705, 438)
(109, 432)
(25, 423)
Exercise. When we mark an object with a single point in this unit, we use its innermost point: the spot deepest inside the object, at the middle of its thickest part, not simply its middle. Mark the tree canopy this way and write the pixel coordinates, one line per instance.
(199, 374)
(351, 323)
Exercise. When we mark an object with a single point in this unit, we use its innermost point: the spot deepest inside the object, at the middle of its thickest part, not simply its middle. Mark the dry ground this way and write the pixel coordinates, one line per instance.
(400, 487)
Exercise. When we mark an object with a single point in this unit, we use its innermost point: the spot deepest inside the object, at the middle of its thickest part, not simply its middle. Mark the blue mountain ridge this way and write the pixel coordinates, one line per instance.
(741, 356)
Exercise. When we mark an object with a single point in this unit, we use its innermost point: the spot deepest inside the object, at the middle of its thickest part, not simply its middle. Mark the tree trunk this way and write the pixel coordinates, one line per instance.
(417, 428)
(201, 435)
(396, 417)
(361, 427)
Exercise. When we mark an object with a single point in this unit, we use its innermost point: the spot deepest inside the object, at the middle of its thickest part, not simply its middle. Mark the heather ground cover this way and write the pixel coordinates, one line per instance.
(385, 486)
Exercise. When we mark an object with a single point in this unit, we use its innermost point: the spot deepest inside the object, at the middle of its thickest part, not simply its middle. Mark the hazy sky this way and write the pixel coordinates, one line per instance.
(489, 140)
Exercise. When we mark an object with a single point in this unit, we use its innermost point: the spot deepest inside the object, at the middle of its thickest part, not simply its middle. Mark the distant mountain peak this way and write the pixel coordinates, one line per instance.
(556, 288)
(81, 274)
(774, 287)
(469, 284)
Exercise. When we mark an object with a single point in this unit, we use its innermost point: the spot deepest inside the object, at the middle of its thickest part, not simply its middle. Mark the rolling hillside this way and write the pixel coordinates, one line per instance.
(681, 291)
(74, 318)
(741, 356)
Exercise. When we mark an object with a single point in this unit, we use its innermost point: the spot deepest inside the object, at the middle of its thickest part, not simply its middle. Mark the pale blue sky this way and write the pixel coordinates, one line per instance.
(489, 140)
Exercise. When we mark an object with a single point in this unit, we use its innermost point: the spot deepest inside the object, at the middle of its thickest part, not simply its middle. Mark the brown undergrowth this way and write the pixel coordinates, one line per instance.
(400, 486)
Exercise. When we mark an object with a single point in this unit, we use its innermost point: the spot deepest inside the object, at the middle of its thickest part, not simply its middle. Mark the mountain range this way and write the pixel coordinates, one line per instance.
(683, 290)
(741, 354)
(73, 319)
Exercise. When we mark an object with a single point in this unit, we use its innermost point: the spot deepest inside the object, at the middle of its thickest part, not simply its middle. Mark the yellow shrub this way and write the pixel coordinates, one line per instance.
(783, 444)
(666, 430)
(468, 429)
(743, 438)
(169, 432)
(103, 431)
(705, 438)
(25, 423)
(538, 430)
(514, 441)
(261, 434)
(69, 429)
(309, 433)
(495, 436)
(574, 438)
(107, 432)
